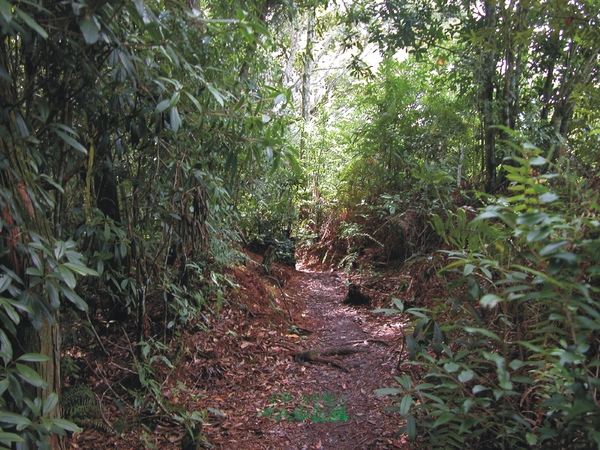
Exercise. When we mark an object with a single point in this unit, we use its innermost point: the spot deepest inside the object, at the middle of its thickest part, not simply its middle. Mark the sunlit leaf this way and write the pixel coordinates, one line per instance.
(465, 376)
(216, 94)
(548, 197)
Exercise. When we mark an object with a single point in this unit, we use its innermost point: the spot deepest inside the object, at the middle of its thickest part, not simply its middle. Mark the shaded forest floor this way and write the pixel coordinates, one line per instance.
(240, 370)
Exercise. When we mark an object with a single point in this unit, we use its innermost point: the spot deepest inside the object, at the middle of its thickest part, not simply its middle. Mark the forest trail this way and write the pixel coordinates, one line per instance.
(295, 405)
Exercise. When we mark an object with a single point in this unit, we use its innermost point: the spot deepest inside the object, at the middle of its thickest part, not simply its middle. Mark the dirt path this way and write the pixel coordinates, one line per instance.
(294, 405)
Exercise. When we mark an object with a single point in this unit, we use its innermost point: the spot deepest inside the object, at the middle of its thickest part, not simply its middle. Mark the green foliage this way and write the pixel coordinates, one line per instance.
(50, 279)
(459, 232)
(79, 404)
(406, 132)
(521, 369)
(126, 129)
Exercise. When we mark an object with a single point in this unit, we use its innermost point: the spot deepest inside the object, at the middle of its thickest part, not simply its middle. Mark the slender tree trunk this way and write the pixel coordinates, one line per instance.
(488, 88)
(306, 89)
(289, 67)
(461, 158)
(308, 65)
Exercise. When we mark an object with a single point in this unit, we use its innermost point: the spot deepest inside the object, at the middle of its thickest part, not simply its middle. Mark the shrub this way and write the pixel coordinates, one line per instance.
(522, 368)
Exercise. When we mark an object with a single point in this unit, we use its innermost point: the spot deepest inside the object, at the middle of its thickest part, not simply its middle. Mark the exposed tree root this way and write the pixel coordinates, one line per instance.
(317, 356)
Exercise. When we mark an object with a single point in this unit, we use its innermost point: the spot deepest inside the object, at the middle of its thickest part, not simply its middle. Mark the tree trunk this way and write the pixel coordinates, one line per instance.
(488, 87)
(25, 220)
(308, 65)
(289, 67)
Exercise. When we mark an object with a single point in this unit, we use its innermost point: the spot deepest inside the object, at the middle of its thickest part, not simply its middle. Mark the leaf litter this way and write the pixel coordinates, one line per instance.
(235, 372)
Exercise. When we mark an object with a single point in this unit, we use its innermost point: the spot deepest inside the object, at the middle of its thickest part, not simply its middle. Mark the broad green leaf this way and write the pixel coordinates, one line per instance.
(524, 380)
(5, 282)
(89, 29)
(531, 438)
(566, 256)
(483, 331)
(74, 298)
(216, 94)
(31, 23)
(404, 381)
(29, 375)
(490, 300)
(80, 269)
(588, 324)
(465, 376)
(444, 418)
(10, 437)
(33, 357)
(197, 416)
(538, 161)
(127, 63)
(14, 419)
(34, 272)
(6, 10)
(499, 360)
(433, 397)
(451, 367)
(479, 388)
(467, 404)
(388, 391)
(194, 101)
(515, 364)
(66, 425)
(387, 310)
(581, 407)
(259, 28)
(398, 303)
(6, 346)
(468, 269)
(548, 197)
(12, 314)
(405, 404)
(411, 427)
(531, 219)
(50, 403)
(567, 357)
(19, 305)
(281, 98)
(505, 384)
(174, 119)
(60, 249)
(67, 276)
(162, 105)
(551, 248)
(72, 142)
